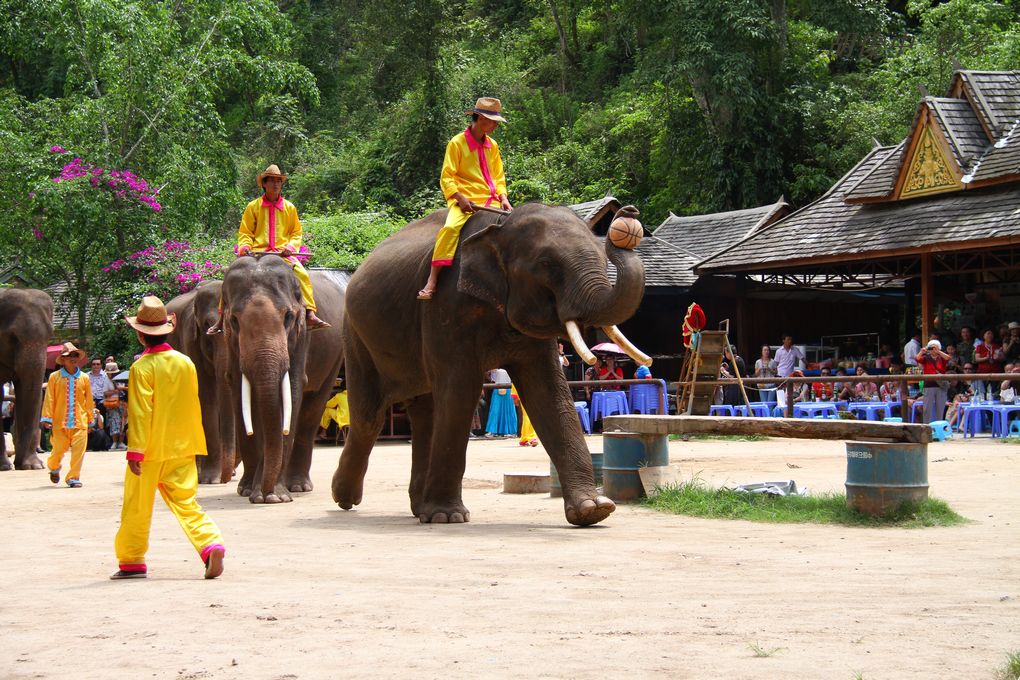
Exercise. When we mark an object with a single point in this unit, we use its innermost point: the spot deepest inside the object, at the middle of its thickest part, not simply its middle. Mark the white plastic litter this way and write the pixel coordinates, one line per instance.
(784, 488)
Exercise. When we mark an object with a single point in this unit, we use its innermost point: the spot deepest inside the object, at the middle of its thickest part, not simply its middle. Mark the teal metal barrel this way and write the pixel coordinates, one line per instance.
(624, 454)
(556, 491)
(882, 476)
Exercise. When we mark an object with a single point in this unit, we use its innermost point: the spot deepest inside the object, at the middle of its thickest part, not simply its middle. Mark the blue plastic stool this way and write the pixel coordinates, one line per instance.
(1014, 428)
(582, 412)
(940, 430)
(720, 410)
(893, 419)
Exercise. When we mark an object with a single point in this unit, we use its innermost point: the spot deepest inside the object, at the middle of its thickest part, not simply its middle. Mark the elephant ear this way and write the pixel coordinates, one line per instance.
(482, 272)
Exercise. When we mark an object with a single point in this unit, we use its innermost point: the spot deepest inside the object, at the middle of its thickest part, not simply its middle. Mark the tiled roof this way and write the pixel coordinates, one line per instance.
(831, 228)
(680, 242)
(589, 210)
(957, 119)
(1002, 158)
(881, 180)
(996, 94)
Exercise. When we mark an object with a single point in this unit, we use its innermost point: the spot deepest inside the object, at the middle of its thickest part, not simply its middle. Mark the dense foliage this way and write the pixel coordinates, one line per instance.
(677, 105)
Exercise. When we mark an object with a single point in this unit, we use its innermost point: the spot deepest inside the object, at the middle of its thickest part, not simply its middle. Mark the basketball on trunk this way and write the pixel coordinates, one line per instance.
(625, 232)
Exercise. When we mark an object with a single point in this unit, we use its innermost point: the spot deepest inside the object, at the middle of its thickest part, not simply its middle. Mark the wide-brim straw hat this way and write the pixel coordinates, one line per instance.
(69, 350)
(490, 107)
(152, 318)
(271, 171)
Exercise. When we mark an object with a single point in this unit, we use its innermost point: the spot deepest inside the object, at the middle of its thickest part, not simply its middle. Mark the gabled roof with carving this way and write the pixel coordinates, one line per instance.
(964, 140)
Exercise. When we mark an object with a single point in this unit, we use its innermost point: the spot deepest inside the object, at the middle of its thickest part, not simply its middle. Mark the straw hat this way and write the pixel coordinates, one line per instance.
(69, 350)
(271, 171)
(1013, 324)
(152, 318)
(112, 367)
(490, 107)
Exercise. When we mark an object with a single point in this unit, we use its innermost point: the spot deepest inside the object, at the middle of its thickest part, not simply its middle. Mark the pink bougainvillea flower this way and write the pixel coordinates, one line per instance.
(57, 149)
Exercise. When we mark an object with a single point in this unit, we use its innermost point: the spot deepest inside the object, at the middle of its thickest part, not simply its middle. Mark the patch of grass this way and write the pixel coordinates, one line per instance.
(1010, 440)
(1011, 671)
(718, 437)
(695, 498)
(762, 653)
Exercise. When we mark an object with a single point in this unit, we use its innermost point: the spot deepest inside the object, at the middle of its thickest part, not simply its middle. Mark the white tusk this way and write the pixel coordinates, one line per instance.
(633, 352)
(574, 333)
(246, 404)
(287, 405)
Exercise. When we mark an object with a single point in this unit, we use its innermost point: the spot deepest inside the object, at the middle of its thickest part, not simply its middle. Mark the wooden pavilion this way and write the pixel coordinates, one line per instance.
(936, 216)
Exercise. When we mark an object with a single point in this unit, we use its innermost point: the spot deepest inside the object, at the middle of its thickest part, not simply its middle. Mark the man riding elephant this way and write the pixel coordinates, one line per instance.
(472, 176)
(270, 224)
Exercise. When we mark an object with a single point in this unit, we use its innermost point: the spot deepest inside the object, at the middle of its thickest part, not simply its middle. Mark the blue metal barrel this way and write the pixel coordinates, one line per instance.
(881, 476)
(556, 491)
(625, 454)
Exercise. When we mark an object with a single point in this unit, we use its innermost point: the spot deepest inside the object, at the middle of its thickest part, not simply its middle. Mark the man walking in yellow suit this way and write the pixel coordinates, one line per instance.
(68, 410)
(472, 176)
(270, 224)
(165, 436)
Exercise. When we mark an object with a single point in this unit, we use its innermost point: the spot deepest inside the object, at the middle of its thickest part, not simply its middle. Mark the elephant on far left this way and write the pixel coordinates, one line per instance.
(26, 326)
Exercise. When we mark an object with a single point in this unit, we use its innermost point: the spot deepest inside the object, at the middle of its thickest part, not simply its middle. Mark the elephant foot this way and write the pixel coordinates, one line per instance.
(443, 513)
(244, 487)
(347, 492)
(278, 495)
(31, 462)
(300, 484)
(5, 464)
(583, 512)
(209, 477)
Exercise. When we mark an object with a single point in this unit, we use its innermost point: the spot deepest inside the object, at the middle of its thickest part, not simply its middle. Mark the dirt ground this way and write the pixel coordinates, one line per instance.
(311, 591)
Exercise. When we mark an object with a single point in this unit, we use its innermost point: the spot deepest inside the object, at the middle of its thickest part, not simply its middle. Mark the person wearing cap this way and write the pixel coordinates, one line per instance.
(472, 176)
(165, 436)
(932, 361)
(1011, 343)
(270, 224)
(67, 410)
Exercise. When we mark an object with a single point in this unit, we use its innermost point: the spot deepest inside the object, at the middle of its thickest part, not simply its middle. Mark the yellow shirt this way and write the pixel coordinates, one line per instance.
(163, 376)
(475, 170)
(270, 227)
(68, 401)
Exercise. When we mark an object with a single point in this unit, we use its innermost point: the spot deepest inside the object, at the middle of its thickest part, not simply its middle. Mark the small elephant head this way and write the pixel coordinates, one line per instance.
(544, 269)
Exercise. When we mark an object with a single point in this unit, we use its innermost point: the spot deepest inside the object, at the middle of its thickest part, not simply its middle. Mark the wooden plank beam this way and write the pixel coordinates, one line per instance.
(801, 428)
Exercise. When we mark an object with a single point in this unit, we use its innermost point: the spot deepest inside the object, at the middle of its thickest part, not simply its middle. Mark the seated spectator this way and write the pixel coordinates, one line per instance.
(1011, 343)
(610, 371)
(592, 373)
(823, 391)
(1009, 390)
(954, 359)
(98, 440)
(844, 390)
(989, 360)
(801, 391)
(865, 391)
(965, 348)
(959, 392)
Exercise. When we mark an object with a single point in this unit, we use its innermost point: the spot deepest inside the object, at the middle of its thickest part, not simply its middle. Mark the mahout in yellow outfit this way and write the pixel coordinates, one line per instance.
(67, 408)
(272, 227)
(165, 436)
(528, 435)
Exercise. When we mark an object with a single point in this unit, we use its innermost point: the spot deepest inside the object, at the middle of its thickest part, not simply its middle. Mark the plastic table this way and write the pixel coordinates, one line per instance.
(810, 409)
(608, 403)
(871, 409)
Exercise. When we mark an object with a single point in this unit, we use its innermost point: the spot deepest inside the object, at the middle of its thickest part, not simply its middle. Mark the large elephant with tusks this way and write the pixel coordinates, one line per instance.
(280, 373)
(515, 286)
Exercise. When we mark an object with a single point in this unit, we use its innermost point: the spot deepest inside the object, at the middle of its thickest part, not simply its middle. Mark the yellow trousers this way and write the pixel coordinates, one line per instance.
(527, 429)
(448, 236)
(177, 481)
(304, 282)
(63, 439)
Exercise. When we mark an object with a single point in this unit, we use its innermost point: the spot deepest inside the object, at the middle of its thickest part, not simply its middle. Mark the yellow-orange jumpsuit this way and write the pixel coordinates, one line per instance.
(68, 409)
(475, 170)
(268, 228)
(165, 435)
(528, 433)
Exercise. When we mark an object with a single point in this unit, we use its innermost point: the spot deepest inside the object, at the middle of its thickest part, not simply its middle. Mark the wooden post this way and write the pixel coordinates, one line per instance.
(789, 399)
(927, 298)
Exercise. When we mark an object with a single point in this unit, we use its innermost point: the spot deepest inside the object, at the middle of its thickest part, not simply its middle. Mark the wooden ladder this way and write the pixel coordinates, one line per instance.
(694, 398)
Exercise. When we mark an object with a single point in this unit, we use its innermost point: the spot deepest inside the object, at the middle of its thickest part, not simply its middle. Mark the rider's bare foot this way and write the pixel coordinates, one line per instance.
(425, 294)
(314, 322)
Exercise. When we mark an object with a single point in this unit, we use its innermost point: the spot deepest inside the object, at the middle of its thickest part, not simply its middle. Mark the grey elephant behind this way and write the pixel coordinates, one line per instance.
(196, 311)
(26, 326)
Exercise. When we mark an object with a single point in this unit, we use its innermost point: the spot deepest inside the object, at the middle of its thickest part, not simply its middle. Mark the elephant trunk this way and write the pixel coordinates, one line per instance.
(604, 305)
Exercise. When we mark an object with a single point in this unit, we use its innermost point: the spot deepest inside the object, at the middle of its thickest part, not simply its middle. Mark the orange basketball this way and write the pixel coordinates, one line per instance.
(625, 232)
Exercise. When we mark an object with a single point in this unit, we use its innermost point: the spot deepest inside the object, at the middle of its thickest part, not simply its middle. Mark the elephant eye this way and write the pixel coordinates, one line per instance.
(234, 325)
(288, 319)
